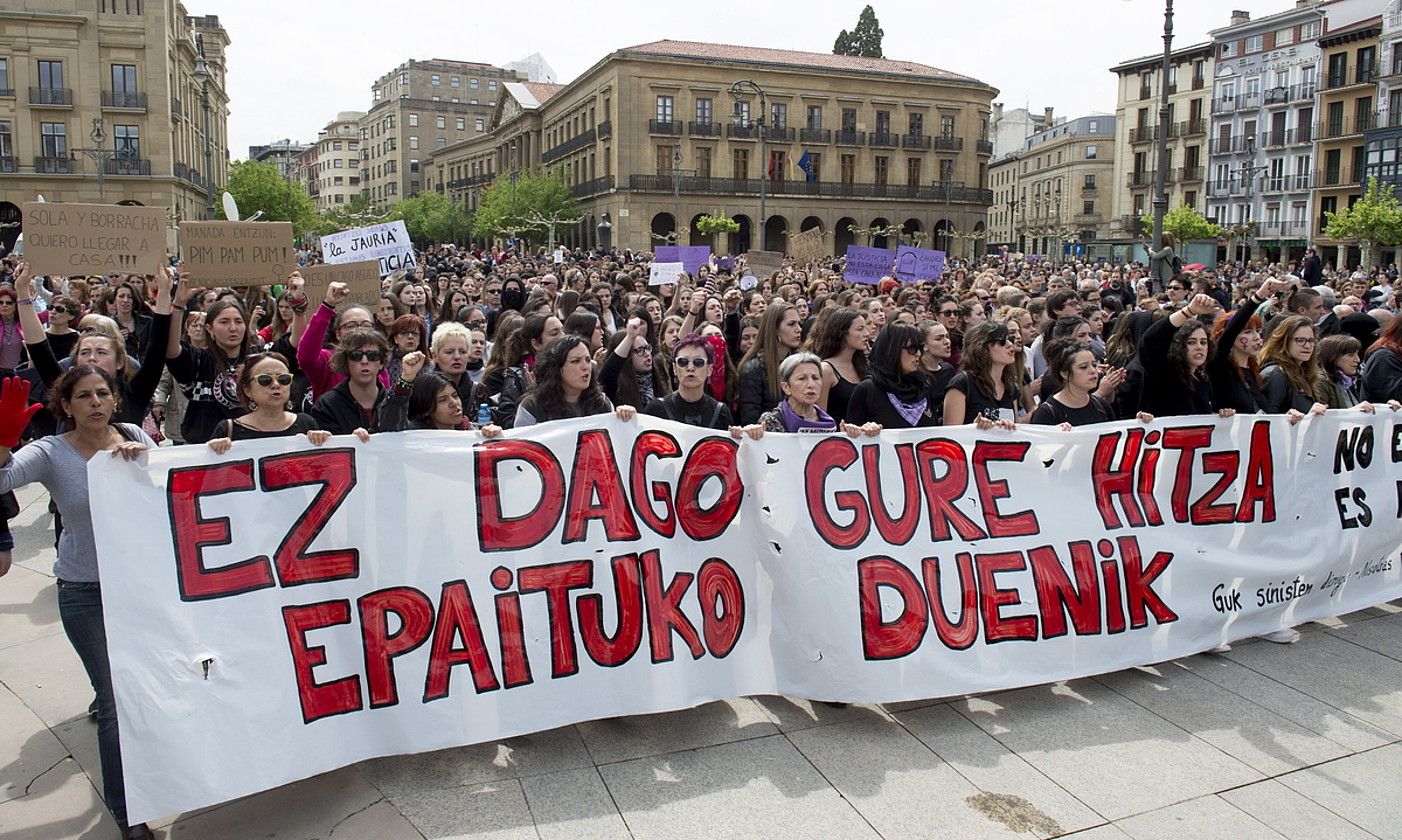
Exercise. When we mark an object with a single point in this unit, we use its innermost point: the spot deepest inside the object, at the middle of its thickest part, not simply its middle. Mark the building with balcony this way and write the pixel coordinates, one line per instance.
(1383, 144)
(1056, 192)
(1348, 110)
(1135, 154)
(68, 68)
(649, 139)
(330, 168)
(1266, 120)
(283, 154)
(418, 108)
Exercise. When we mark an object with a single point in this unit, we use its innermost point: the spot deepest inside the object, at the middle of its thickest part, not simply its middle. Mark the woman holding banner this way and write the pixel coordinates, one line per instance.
(987, 390)
(265, 386)
(87, 399)
(801, 380)
(565, 386)
(897, 394)
(1290, 378)
(354, 403)
(426, 399)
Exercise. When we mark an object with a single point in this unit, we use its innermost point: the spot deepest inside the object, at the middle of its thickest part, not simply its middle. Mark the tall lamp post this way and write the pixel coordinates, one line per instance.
(1160, 203)
(98, 155)
(738, 91)
(202, 74)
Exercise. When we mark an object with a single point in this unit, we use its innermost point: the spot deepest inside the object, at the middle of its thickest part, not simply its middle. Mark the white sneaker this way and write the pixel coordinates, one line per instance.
(1221, 649)
(1287, 636)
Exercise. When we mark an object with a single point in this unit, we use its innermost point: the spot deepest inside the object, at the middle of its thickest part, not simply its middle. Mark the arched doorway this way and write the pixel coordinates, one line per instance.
(880, 241)
(10, 220)
(810, 223)
(699, 238)
(740, 240)
(943, 228)
(843, 236)
(130, 202)
(664, 228)
(909, 229)
(774, 229)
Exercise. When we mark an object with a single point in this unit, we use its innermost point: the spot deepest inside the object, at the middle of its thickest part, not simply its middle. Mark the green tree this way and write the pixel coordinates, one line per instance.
(1185, 223)
(432, 219)
(358, 212)
(1375, 220)
(525, 207)
(864, 39)
(257, 185)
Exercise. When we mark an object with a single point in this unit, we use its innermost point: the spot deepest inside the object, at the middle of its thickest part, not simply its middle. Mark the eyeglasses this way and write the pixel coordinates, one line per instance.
(685, 362)
(7, 302)
(367, 355)
(267, 379)
(642, 350)
(1305, 342)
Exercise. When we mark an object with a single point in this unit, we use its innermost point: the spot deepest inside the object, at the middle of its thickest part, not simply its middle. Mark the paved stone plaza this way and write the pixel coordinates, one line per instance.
(1267, 741)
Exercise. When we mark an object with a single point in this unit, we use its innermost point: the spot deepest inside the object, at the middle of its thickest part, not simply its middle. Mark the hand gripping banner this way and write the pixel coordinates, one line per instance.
(284, 610)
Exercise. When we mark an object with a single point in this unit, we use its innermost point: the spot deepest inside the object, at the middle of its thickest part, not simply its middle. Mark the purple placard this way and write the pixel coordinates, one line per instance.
(727, 263)
(867, 265)
(692, 257)
(916, 264)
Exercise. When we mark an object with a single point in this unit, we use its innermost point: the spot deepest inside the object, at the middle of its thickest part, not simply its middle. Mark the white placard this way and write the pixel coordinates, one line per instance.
(664, 272)
(388, 242)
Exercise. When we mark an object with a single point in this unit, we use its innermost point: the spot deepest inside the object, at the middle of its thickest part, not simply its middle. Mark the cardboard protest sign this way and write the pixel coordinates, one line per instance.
(363, 278)
(913, 264)
(388, 243)
(73, 239)
(237, 254)
(692, 257)
(867, 265)
(590, 568)
(763, 264)
(808, 246)
(664, 272)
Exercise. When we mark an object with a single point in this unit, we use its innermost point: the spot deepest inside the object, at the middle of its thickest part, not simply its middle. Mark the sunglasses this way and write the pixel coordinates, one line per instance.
(913, 349)
(685, 362)
(60, 310)
(948, 313)
(367, 355)
(267, 379)
(476, 325)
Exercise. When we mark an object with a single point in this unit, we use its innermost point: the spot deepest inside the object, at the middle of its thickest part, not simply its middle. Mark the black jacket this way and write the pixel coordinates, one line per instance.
(1312, 271)
(135, 392)
(870, 404)
(1280, 395)
(1164, 393)
(755, 396)
(1382, 376)
(1231, 389)
(338, 412)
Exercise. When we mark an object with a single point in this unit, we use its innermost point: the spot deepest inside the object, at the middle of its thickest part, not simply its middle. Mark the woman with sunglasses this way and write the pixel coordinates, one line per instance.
(340, 318)
(86, 399)
(629, 375)
(693, 359)
(897, 394)
(265, 386)
(64, 313)
(987, 390)
(354, 403)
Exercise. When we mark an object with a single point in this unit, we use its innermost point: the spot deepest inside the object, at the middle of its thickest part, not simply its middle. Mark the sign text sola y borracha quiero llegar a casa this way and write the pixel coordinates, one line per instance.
(284, 610)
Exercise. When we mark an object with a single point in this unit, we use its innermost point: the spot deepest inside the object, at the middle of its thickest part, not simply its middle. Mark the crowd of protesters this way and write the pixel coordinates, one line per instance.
(478, 341)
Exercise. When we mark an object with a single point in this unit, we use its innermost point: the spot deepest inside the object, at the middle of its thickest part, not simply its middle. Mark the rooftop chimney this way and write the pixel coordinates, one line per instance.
(997, 111)
(1047, 117)
(1239, 16)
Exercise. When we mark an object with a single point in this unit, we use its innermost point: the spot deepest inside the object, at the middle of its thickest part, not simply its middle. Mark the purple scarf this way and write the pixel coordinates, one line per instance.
(910, 412)
(794, 423)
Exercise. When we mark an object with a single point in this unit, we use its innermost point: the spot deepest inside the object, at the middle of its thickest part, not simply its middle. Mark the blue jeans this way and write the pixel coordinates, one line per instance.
(80, 608)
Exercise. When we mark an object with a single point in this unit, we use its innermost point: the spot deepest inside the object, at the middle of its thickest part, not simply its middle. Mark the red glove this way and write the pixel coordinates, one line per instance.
(15, 410)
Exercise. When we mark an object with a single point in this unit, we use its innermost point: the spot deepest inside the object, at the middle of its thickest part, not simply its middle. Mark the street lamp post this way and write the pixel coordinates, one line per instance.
(738, 91)
(1160, 203)
(202, 73)
(99, 156)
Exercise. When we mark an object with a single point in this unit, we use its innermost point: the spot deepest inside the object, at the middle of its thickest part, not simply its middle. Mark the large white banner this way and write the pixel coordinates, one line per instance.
(388, 243)
(284, 610)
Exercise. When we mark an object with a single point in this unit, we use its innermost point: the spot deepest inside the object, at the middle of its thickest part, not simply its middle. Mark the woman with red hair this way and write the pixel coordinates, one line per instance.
(1233, 369)
(1382, 370)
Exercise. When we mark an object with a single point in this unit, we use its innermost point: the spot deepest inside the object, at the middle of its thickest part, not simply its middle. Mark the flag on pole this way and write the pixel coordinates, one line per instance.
(806, 164)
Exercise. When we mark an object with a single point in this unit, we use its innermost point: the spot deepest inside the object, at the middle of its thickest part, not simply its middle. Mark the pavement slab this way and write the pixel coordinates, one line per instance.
(1360, 788)
(622, 738)
(1204, 818)
(1292, 814)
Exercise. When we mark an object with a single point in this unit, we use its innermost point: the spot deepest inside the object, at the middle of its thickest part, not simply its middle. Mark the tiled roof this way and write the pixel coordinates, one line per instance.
(792, 58)
(542, 91)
